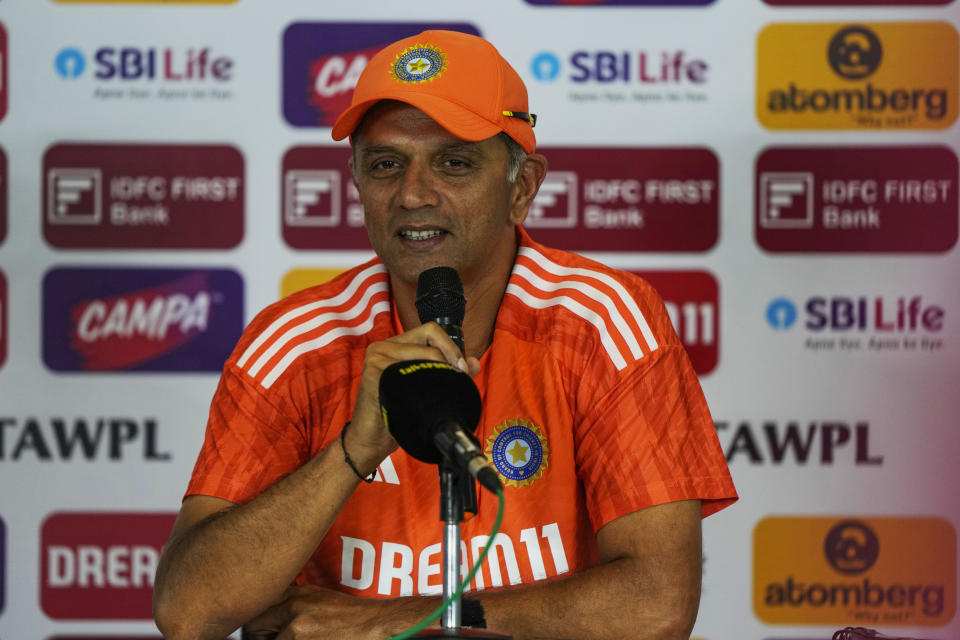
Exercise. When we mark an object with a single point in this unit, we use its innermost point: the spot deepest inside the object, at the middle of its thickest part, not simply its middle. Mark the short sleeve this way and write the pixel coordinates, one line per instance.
(654, 442)
(250, 441)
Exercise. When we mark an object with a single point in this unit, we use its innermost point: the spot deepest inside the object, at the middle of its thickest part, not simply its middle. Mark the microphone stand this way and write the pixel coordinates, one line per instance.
(458, 493)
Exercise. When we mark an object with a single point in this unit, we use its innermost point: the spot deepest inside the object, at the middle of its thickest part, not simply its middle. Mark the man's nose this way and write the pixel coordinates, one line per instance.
(417, 187)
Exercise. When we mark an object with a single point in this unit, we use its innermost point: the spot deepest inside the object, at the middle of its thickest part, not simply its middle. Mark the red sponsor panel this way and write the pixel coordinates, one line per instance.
(611, 199)
(100, 566)
(319, 206)
(133, 196)
(692, 298)
(627, 199)
(3, 318)
(4, 179)
(856, 199)
(4, 78)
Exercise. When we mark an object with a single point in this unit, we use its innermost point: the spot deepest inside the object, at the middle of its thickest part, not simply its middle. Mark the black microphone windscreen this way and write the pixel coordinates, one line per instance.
(440, 295)
(418, 396)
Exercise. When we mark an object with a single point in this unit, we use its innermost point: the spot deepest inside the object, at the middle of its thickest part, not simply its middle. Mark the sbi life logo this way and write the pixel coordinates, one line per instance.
(781, 314)
(70, 63)
(667, 67)
(133, 63)
(844, 313)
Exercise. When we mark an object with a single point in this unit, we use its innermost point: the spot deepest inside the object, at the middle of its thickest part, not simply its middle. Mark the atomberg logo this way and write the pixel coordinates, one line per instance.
(857, 76)
(323, 60)
(863, 571)
(692, 300)
(4, 79)
(137, 319)
(100, 565)
(857, 199)
(878, 323)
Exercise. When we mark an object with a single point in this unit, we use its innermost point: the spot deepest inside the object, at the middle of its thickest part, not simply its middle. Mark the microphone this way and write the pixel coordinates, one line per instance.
(431, 410)
(440, 299)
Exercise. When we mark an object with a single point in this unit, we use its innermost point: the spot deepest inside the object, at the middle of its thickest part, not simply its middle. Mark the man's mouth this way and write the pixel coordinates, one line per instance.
(423, 234)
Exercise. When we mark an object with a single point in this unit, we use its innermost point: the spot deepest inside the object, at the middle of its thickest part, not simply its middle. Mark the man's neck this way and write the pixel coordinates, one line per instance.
(483, 296)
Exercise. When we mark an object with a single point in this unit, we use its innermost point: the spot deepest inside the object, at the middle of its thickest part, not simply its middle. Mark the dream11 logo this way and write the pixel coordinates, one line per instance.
(693, 303)
(323, 60)
(100, 566)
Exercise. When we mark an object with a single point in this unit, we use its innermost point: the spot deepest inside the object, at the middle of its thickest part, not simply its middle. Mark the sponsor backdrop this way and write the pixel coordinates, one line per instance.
(783, 171)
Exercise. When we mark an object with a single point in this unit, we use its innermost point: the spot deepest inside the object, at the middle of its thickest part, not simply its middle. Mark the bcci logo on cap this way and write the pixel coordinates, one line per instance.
(855, 52)
(421, 63)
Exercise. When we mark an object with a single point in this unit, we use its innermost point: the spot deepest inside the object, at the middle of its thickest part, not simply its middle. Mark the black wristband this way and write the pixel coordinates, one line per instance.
(346, 458)
(471, 613)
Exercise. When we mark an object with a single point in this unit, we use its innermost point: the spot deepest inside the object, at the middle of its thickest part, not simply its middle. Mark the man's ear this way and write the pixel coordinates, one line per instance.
(525, 187)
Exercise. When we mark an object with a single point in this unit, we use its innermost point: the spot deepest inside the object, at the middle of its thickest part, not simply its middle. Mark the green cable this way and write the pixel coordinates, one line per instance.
(456, 594)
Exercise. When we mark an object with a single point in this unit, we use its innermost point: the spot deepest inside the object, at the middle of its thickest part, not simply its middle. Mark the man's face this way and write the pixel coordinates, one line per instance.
(432, 199)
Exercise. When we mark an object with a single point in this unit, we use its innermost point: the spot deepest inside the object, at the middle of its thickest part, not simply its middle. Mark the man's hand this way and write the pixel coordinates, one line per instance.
(217, 549)
(308, 612)
(367, 439)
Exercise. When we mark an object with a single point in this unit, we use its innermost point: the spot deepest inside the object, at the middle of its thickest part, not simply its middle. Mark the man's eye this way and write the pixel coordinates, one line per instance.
(384, 165)
(456, 163)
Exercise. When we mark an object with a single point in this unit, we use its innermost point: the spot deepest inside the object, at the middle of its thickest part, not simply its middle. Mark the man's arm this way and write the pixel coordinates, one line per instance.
(646, 587)
(224, 563)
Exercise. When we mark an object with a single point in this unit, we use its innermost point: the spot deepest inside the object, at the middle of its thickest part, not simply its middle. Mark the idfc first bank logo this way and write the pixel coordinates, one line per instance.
(323, 60)
(139, 319)
(100, 566)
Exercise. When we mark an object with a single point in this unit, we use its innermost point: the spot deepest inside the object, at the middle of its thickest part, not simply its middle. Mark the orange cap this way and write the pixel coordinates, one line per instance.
(459, 80)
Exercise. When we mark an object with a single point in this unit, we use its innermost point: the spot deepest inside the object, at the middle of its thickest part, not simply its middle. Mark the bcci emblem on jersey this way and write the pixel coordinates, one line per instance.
(519, 451)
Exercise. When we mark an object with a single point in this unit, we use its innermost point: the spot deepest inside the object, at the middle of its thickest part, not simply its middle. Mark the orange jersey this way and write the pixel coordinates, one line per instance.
(591, 410)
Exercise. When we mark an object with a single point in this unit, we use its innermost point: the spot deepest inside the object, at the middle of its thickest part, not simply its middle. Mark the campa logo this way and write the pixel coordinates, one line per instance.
(855, 571)
(857, 76)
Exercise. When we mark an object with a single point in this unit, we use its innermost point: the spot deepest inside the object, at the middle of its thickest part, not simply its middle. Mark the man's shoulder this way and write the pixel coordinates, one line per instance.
(582, 306)
(348, 306)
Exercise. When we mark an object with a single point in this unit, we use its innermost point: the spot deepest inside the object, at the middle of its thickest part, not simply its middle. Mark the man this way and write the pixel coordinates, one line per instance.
(610, 456)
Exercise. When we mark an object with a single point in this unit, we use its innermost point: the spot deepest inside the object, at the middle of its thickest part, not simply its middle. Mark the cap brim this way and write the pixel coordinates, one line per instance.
(459, 121)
